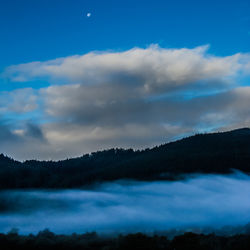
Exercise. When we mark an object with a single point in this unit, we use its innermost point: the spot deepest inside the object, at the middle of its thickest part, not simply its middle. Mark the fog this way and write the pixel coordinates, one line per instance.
(128, 206)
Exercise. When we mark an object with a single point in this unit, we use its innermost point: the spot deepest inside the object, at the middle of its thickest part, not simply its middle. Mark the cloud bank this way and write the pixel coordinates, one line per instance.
(136, 98)
(204, 201)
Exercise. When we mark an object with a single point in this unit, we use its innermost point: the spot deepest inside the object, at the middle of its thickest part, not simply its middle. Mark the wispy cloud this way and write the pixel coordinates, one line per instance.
(18, 101)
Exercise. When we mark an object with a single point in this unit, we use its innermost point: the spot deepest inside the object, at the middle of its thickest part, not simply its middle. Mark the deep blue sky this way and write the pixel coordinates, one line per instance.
(46, 29)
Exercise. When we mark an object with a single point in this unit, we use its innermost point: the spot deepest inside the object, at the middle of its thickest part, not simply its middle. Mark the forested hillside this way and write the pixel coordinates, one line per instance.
(202, 153)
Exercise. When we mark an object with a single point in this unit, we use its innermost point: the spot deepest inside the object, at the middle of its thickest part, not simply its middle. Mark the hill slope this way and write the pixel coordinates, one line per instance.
(203, 153)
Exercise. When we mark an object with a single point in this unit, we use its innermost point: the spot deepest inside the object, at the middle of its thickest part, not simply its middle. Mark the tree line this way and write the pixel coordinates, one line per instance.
(91, 241)
(201, 153)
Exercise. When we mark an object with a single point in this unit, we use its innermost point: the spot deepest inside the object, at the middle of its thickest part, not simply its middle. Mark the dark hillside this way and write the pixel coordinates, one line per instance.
(202, 153)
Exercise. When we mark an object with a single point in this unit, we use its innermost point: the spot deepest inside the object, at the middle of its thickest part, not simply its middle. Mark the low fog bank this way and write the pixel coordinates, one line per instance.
(207, 202)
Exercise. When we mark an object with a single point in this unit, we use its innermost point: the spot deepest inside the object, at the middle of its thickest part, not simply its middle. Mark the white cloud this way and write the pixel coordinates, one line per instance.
(151, 69)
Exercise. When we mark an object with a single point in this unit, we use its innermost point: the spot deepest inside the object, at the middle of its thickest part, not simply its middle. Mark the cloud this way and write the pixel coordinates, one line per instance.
(136, 98)
(106, 107)
(23, 140)
(204, 201)
(150, 70)
(18, 101)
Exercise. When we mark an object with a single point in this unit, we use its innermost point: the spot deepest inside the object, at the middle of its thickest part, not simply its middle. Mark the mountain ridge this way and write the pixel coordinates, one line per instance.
(218, 152)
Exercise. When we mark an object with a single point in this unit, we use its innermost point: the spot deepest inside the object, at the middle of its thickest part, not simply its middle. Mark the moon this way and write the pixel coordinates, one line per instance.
(88, 14)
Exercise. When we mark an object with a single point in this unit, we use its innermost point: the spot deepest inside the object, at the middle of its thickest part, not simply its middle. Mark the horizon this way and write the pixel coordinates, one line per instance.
(134, 149)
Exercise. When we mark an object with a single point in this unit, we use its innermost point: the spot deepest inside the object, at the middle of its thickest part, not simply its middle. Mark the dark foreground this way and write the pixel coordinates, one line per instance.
(48, 240)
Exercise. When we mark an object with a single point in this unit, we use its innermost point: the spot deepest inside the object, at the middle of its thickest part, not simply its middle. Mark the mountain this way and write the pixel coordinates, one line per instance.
(201, 153)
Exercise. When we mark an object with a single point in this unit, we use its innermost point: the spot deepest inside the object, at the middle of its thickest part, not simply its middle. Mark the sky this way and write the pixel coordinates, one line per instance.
(85, 75)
